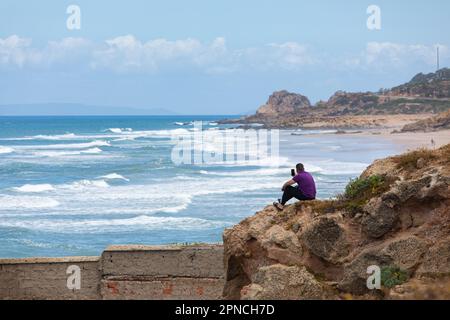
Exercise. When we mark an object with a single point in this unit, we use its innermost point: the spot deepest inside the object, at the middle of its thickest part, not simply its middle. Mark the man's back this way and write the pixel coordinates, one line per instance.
(306, 184)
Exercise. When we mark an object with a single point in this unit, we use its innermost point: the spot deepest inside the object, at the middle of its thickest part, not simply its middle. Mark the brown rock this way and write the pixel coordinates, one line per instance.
(380, 218)
(283, 103)
(279, 282)
(326, 239)
(436, 262)
(405, 252)
(355, 272)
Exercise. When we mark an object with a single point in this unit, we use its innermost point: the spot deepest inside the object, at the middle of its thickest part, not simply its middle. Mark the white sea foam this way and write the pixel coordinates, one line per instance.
(245, 173)
(333, 167)
(119, 133)
(5, 150)
(67, 153)
(142, 222)
(114, 176)
(49, 137)
(119, 130)
(34, 188)
(26, 202)
(96, 143)
(88, 183)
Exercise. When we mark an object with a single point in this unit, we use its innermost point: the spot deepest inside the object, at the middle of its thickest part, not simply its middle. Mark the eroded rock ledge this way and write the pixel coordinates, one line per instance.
(395, 216)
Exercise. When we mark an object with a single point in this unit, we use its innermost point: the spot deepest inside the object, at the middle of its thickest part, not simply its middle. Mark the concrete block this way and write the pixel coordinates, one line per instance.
(190, 261)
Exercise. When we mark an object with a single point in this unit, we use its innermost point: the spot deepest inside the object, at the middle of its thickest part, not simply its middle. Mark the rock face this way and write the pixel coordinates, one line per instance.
(322, 249)
(292, 282)
(326, 239)
(283, 103)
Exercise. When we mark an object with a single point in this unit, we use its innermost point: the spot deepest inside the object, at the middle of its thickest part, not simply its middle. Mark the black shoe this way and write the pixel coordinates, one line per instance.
(278, 206)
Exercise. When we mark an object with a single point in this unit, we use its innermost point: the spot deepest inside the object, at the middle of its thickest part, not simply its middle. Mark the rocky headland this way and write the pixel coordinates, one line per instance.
(395, 216)
(423, 95)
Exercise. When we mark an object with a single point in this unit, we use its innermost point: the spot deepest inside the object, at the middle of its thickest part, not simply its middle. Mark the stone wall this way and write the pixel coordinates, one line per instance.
(122, 272)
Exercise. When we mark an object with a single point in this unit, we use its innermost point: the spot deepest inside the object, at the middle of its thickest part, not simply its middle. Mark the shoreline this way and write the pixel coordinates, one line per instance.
(408, 140)
(386, 127)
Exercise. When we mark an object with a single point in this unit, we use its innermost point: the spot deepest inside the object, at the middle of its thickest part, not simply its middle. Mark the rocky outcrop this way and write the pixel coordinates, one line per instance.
(283, 103)
(395, 216)
(344, 103)
(432, 85)
(424, 94)
(436, 123)
(291, 282)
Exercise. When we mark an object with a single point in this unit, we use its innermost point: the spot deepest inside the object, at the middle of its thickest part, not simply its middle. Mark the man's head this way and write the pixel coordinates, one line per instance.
(300, 167)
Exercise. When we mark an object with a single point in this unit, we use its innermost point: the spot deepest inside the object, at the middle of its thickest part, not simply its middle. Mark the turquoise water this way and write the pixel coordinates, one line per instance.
(74, 185)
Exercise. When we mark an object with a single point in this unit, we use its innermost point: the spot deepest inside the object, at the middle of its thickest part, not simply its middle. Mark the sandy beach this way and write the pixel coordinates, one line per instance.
(388, 127)
(413, 140)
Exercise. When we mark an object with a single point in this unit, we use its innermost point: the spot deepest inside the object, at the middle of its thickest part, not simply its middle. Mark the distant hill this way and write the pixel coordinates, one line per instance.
(72, 109)
(424, 93)
(431, 85)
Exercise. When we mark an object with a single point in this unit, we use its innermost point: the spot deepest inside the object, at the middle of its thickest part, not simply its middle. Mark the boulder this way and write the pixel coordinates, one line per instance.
(405, 252)
(279, 282)
(282, 245)
(380, 218)
(355, 275)
(326, 239)
(436, 262)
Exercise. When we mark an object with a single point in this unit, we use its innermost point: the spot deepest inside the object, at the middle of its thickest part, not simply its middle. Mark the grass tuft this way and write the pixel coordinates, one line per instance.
(408, 161)
(359, 191)
(392, 276)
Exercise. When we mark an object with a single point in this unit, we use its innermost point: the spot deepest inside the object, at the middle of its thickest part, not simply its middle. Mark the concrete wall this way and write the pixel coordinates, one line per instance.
(46, 278)
(122, 272)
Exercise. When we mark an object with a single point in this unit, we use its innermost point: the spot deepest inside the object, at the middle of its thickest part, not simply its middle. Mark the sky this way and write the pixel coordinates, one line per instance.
(213, 57)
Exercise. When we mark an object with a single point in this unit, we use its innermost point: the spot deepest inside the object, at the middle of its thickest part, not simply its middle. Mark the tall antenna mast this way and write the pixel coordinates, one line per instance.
(437, 56)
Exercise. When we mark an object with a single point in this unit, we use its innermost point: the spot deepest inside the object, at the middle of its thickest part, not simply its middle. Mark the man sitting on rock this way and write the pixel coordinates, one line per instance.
(305, 190)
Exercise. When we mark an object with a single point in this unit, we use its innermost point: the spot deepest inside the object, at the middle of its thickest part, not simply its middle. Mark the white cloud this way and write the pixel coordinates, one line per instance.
(127, 54)
(292, 55)
(15, 51)
(394, 55)
(18, 52)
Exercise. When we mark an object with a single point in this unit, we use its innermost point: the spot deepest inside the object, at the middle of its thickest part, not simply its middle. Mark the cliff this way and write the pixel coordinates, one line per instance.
(439, 122)
(396, 216)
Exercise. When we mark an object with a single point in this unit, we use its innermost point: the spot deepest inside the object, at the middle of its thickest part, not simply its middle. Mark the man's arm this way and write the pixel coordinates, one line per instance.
(287, 184)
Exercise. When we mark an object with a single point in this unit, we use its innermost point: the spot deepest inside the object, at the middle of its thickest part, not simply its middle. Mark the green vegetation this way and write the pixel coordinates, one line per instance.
(392, 276)
(408, 161)
(362, 186)
(359, 191)
(413, 106)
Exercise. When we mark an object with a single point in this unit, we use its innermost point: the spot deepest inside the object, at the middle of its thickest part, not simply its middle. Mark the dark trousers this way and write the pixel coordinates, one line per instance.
(293, 192)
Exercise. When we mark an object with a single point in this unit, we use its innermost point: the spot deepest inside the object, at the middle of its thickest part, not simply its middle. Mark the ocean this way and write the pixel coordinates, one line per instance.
(72, 186)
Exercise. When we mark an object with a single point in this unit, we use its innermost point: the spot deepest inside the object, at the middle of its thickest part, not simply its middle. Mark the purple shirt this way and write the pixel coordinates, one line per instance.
(306, 184)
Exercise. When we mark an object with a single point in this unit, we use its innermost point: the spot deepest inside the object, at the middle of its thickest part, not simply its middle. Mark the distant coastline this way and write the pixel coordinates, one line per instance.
(424, 96)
